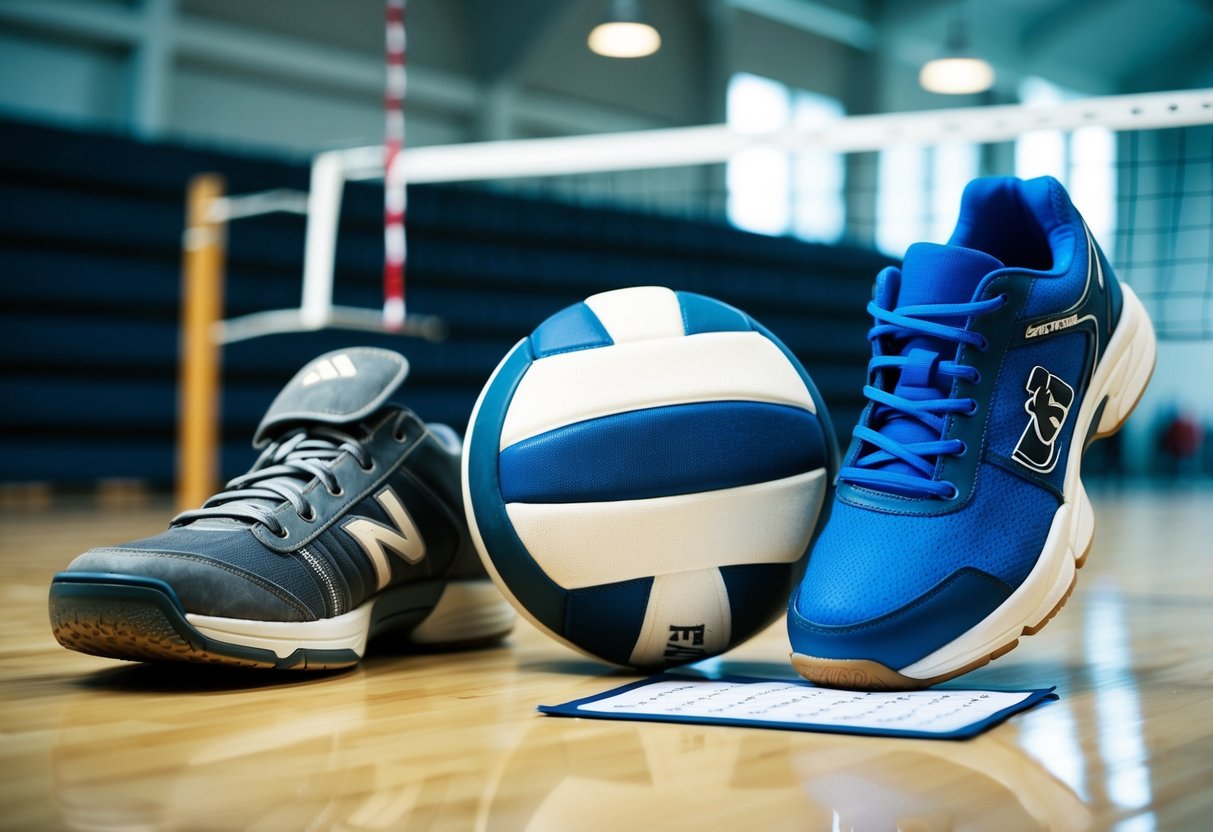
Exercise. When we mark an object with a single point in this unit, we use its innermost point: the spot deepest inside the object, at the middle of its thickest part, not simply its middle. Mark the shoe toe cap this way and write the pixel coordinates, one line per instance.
(200, 585)
(854, 626)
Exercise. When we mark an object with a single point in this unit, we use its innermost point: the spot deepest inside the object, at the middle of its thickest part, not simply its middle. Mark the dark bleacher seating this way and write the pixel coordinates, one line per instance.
(90, 230)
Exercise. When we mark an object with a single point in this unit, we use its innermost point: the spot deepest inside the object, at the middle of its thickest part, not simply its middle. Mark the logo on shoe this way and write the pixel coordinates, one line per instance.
(339, 366)
(376, 539)
(1048, 406)
(1049, 327)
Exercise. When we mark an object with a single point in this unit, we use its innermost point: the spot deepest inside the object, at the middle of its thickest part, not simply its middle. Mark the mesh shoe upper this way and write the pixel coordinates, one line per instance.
(936, 496)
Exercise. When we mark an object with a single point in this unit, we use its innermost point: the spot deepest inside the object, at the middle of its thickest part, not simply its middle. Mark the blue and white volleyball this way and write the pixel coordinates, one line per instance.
(644, 473)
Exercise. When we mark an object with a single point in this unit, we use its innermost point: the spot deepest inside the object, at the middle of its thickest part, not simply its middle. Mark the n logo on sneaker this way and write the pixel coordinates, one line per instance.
(376, 539)
(1048, 406)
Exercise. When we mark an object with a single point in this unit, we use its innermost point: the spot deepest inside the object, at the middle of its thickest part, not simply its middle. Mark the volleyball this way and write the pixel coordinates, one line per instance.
(644, 473)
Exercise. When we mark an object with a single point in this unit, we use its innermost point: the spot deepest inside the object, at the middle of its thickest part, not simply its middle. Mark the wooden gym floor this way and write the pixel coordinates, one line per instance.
(440, 742)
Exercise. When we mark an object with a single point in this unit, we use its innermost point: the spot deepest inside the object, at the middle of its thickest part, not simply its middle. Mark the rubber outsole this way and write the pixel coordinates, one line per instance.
(138, 622)
(865, 674)
(135, 619)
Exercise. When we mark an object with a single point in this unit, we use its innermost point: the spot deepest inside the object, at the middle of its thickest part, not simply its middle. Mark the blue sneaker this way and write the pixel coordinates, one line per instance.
(349, 525)
(959, 518)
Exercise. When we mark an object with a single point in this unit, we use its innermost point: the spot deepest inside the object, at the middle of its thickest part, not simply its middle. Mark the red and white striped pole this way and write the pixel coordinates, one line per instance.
(394, 197)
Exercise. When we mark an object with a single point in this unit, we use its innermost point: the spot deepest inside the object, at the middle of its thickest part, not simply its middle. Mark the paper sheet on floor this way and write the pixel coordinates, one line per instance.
(800, 706)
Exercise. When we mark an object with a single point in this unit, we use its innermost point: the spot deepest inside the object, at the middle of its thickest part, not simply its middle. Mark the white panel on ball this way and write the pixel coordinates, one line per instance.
(587, 544)
(638, 314)
(720, 366)
(688, 616)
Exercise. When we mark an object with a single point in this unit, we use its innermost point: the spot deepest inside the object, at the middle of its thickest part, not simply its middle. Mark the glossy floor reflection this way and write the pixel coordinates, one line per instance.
(441, 742)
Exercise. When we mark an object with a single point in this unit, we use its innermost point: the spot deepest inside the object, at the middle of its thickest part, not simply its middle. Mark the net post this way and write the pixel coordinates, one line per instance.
(320, 240)
(394, 202)
(204, 252)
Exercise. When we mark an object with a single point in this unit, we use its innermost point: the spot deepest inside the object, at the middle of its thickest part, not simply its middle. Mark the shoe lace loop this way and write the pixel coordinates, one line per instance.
(280, 475)
(894, 327)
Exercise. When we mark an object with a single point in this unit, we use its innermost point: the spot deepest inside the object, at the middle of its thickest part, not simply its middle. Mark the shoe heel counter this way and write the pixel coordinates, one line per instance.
(440, 471)
(467, 563)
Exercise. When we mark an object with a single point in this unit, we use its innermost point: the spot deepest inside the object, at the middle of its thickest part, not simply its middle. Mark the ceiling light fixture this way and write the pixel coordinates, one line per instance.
(625, 33)
(958, 71)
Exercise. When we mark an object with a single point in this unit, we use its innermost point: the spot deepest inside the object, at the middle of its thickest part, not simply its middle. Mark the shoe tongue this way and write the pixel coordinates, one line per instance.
(933, 273)
(338, 388)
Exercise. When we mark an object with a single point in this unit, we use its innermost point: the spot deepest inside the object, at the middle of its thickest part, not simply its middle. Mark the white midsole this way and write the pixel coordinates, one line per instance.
(1121, 376)
(342, 632)
(466, 611)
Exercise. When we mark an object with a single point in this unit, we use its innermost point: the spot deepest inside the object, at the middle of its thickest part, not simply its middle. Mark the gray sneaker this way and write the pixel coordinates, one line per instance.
(350, 524)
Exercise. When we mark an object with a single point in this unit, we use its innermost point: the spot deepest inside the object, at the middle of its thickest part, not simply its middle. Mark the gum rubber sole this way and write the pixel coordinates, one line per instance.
(865, 674)
(136, 619)
(136, 632)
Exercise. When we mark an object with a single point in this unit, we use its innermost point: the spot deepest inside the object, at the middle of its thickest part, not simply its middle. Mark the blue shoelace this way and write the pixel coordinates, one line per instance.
(898, 325)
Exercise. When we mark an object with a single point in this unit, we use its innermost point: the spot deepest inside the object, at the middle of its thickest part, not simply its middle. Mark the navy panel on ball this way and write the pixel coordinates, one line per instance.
(606, 620)
(661, 451)
(744, 582)
(704, 314)
(573, 328)
(538, 593)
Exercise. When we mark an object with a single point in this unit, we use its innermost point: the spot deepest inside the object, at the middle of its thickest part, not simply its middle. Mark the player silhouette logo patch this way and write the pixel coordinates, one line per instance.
(1048, 405)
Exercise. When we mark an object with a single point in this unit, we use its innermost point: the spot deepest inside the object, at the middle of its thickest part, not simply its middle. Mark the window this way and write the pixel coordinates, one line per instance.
(774, 192)
(819, 210)
(1084, 160)
(901, 189)
(758, 178)
(918, 192)
(953, 166)
(1040, 152)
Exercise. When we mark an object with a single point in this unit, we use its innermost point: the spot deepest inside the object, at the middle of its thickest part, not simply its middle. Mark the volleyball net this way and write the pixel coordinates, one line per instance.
(1139, 167)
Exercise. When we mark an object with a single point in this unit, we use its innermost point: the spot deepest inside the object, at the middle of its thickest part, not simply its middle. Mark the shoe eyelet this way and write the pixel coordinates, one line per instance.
(367, 468)
(953, 491)
(983, 344)
(400, 432)
(976, 377)
(340, 492)
(284, 535)
(310, 517)
(964, 449)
